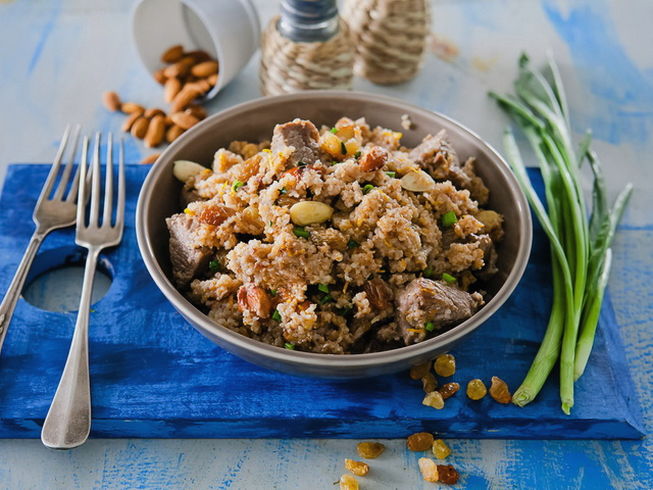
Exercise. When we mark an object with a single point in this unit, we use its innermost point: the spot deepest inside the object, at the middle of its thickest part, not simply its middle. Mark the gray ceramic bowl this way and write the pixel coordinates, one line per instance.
(254, 121)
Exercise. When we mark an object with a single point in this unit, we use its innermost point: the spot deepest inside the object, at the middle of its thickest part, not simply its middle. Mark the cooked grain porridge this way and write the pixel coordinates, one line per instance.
(337, 240)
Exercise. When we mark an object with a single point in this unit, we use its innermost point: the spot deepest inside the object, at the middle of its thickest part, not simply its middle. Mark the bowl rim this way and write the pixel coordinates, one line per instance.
(337, 361)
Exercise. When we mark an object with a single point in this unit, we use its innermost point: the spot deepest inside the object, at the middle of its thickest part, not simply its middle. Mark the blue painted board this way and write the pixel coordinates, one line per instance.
(154, 376)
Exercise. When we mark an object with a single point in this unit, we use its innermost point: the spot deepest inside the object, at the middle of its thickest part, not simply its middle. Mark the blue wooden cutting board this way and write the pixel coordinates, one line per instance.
(153, 375)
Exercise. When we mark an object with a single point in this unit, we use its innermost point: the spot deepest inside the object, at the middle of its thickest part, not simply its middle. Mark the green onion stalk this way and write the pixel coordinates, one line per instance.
(580, 247)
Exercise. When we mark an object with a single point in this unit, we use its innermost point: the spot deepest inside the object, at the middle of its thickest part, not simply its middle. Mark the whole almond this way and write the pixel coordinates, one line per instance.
(155, 132)
(184, 120)
(168, 121)
(173, 133)
(131, 107)
(154, 111)
(151, 158)
(111, 101)
(185, 96)
(139, 128)
(173, 54)
(197, 110)
(171, 88)
(129, 122)
(179, 69)
(159, 76)
(205, 69)
(199, 55)
(202, 85)
(212, 79)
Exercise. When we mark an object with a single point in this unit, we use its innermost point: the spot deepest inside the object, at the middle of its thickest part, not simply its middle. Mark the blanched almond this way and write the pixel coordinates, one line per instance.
(184, 120)
(185, 169)
(417, 181)
(155, 131)
(173, 133)
(185, 96)
(129, 122)
(310, 212)
(139, 128)
(111, 101)
(205, 69)
(173, 54)
(171, 88)
(131, 107)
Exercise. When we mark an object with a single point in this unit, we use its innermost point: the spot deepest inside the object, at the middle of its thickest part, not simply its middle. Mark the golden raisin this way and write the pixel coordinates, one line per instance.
(428, 469)
(370, 450)
(348, 482)
(476, 389)
(358, 468)
(378, 293)
(419, 371)
(445, 365)
(447, 474)
(433, 399)
(499, 390)
(255, 300)
(448, 390)
(421, 441)
(440, 449)
(215, 214)
(429, 383)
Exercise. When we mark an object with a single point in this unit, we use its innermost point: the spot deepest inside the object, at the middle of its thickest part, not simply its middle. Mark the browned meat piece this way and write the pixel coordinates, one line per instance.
(424, 300)
(439, 159)
(373, 159)
(489, 256)
(187, 258)
(300, 134)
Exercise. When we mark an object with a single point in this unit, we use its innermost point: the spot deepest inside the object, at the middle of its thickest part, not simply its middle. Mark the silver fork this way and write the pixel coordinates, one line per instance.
(68, 422)
(49, 214)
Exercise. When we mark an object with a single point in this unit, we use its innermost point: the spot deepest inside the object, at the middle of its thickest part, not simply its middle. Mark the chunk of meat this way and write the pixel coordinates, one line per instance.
(373, 159)
(254, 299)
(302, 135)
(424, 300)
(188, 259)
(490, 256)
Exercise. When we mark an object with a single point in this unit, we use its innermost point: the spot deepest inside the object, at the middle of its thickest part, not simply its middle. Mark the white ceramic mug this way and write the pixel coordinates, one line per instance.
(229, 30)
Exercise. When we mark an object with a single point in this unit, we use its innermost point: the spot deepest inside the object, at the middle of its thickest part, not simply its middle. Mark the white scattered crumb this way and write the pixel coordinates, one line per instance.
(406, 123)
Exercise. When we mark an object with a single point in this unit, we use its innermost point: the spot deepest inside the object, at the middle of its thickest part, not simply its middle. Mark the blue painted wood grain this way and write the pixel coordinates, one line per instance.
(154, 376)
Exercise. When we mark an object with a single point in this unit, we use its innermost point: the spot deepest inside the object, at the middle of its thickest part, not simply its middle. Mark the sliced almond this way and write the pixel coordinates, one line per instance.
(171, 88)
(184, 120)
(111, 101)
(310, 212)
(131, 107)
(417, 181)
(173, 133)
(173, 54)
(185, 169)
(139, 128)
(150, 159)
(185, 96)
(205, 69)
(129, 122)
(155, 131)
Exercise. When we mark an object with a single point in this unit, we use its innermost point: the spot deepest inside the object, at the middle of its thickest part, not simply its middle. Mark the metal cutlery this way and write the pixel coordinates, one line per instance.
(52, 211)
(68, 422)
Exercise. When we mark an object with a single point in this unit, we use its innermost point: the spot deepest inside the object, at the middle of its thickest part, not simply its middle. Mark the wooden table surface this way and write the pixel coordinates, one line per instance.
(57, 57)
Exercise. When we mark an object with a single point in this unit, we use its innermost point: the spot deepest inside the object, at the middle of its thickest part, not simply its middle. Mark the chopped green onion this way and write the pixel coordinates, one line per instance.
(273, 292)
(326, 299)
(449, 219)
(357, 154)
(335, 163)
(323, 287)
(237, 185)
(428, 326)
(276, 316)
(300, 232)
(448, 278)
(343, 148)
(283, 191)
(289, 346)
(301, 164)
(428, 273)
(391, 173)
(271, 223)
(334, 130)
(214, 266)
(367, 188)
(353, 244)
(345, 310)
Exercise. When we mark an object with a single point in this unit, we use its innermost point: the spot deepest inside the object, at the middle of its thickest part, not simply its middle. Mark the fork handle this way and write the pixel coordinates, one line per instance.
(68, 422)
(10, 299)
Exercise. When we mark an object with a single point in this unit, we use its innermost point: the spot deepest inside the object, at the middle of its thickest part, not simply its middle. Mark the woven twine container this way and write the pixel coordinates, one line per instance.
(288, 66)
(390, 37)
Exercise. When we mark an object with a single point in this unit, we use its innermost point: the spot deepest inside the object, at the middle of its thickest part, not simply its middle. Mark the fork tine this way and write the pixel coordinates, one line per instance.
(95, 183)
(81, 198)
(63, 182)
(108, 183)
(54, 170)
(120, 212)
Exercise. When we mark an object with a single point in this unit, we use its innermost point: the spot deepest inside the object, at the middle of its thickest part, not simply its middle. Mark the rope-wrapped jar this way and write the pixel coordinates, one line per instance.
(390, 37)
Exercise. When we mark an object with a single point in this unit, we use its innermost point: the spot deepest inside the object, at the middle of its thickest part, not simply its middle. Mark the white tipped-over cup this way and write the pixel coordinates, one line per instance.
(228, 30)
